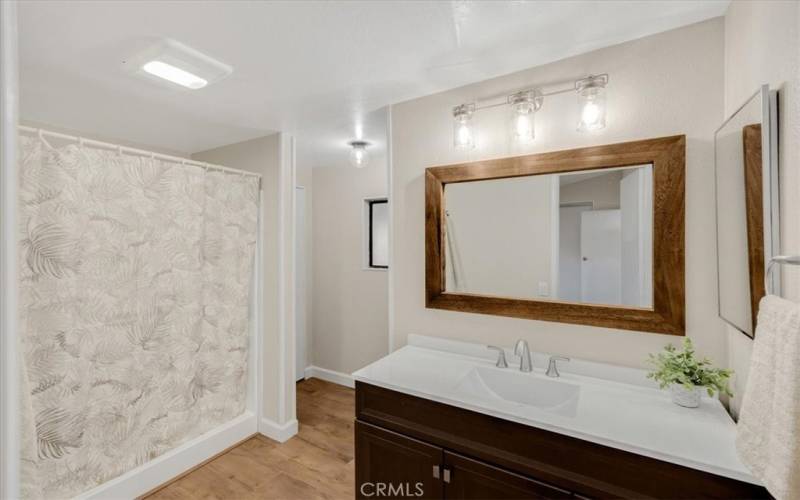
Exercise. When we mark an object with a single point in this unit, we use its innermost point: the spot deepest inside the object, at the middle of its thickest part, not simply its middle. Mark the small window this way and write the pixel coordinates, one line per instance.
(377, 226)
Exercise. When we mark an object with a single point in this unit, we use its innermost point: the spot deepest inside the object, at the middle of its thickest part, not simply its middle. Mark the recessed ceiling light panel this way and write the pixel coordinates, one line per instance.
(174, 62)
(174, 74)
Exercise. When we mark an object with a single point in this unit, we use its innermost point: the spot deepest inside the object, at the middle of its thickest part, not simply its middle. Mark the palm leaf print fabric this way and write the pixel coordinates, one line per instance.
(135, 282)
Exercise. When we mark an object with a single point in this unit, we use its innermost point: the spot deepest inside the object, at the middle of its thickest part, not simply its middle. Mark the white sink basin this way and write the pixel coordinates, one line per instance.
(519, 388)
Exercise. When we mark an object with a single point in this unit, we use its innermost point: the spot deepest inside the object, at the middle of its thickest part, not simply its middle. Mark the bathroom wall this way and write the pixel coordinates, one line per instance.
(271, 157)
(762, 45)
(666, 84)
(602, 191)
(350, 303)
(512, 213)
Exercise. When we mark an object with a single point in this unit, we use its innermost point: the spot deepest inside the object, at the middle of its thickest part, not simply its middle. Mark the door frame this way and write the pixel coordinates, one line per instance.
(299, 239)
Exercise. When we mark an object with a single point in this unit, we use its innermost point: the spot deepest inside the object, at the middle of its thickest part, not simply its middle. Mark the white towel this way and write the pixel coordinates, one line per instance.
(768, 432)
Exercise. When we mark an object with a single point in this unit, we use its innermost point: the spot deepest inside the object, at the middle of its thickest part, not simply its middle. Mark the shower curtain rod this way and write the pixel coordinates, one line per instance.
(135, 151)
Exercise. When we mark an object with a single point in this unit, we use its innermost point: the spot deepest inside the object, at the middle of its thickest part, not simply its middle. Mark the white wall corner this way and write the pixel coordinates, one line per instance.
(277, 432)
(286, 297)
(332, 376)
(390, 196)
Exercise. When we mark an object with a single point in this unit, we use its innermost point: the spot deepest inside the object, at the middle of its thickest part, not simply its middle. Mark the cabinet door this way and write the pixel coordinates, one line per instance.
(471, 479)
(390, 465)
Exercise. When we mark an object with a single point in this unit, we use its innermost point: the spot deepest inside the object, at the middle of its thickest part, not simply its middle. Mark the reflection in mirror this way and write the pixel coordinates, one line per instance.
(581, 237)
(740, 162)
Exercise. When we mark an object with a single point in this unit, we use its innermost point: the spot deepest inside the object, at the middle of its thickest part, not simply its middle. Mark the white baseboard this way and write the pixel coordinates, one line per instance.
(340, 378)
(278, 432)
(172, 464)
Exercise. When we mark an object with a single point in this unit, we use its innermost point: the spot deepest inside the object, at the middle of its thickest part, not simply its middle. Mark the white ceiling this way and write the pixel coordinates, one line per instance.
(314, 68)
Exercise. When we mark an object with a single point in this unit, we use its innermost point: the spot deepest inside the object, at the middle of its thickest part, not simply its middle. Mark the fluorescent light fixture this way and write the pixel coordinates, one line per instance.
(175, 75)
(166, 60)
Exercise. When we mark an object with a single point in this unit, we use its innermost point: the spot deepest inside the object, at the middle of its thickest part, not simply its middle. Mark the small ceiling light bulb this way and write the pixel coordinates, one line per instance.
(592, 102)
(523, 108)
(463, 133)
(359, 157)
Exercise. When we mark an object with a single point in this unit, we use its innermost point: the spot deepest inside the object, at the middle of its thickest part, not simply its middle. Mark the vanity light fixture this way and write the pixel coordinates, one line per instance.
(463, 132)
(524, 104)
(523, 110)
(592, 102)
(359, 157)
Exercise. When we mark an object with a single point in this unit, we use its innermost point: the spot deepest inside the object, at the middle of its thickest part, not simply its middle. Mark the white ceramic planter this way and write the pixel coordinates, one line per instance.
(690, 398)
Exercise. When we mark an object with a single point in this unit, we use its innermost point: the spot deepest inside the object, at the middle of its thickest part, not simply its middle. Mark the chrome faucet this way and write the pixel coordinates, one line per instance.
(501, 356)
(521, 350)
(552, 368)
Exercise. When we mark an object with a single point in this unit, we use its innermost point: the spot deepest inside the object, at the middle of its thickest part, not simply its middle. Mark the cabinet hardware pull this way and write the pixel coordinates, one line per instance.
(436, 472)
(446, 475)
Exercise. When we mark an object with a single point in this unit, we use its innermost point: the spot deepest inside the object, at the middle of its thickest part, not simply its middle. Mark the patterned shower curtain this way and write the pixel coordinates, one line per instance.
(134, 302)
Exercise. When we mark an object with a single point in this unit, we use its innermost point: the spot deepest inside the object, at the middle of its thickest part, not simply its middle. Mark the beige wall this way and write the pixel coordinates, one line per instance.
(271, 157)
(762, 45)
(602, 191)
(666, 84)
(350, 304)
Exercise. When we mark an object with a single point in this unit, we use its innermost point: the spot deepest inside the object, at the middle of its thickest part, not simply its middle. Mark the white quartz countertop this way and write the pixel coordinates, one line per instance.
(615, 408)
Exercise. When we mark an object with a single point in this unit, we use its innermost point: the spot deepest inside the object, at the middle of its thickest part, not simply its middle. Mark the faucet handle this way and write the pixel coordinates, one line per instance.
(552, 368)
(501, 356)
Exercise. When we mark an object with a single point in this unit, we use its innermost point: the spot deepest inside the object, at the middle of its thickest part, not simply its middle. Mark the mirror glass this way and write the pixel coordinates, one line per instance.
(581, 237)
(741, 232)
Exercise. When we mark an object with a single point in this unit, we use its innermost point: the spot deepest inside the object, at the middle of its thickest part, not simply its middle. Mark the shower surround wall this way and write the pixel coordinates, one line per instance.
(134, 304)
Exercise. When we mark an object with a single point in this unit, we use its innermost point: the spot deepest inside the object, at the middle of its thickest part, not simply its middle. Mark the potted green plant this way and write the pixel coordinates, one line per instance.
(686, 376)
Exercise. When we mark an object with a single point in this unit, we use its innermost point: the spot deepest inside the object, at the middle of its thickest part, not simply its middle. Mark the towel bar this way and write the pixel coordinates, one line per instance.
(793, 260)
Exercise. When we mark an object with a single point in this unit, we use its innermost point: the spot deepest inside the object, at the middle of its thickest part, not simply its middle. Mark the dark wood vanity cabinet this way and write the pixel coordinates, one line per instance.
(393, 465)
(410, 447)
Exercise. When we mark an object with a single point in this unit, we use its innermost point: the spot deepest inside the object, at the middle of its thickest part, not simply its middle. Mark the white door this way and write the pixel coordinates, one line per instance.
(300, 281)
(569, 251)
(601, 261)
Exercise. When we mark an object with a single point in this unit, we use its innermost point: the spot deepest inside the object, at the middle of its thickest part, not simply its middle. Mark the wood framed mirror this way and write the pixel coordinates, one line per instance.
(591, 236)
(747, 197)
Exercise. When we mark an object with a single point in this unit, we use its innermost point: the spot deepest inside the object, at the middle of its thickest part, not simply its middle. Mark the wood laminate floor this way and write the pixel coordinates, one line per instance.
(317, 463)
